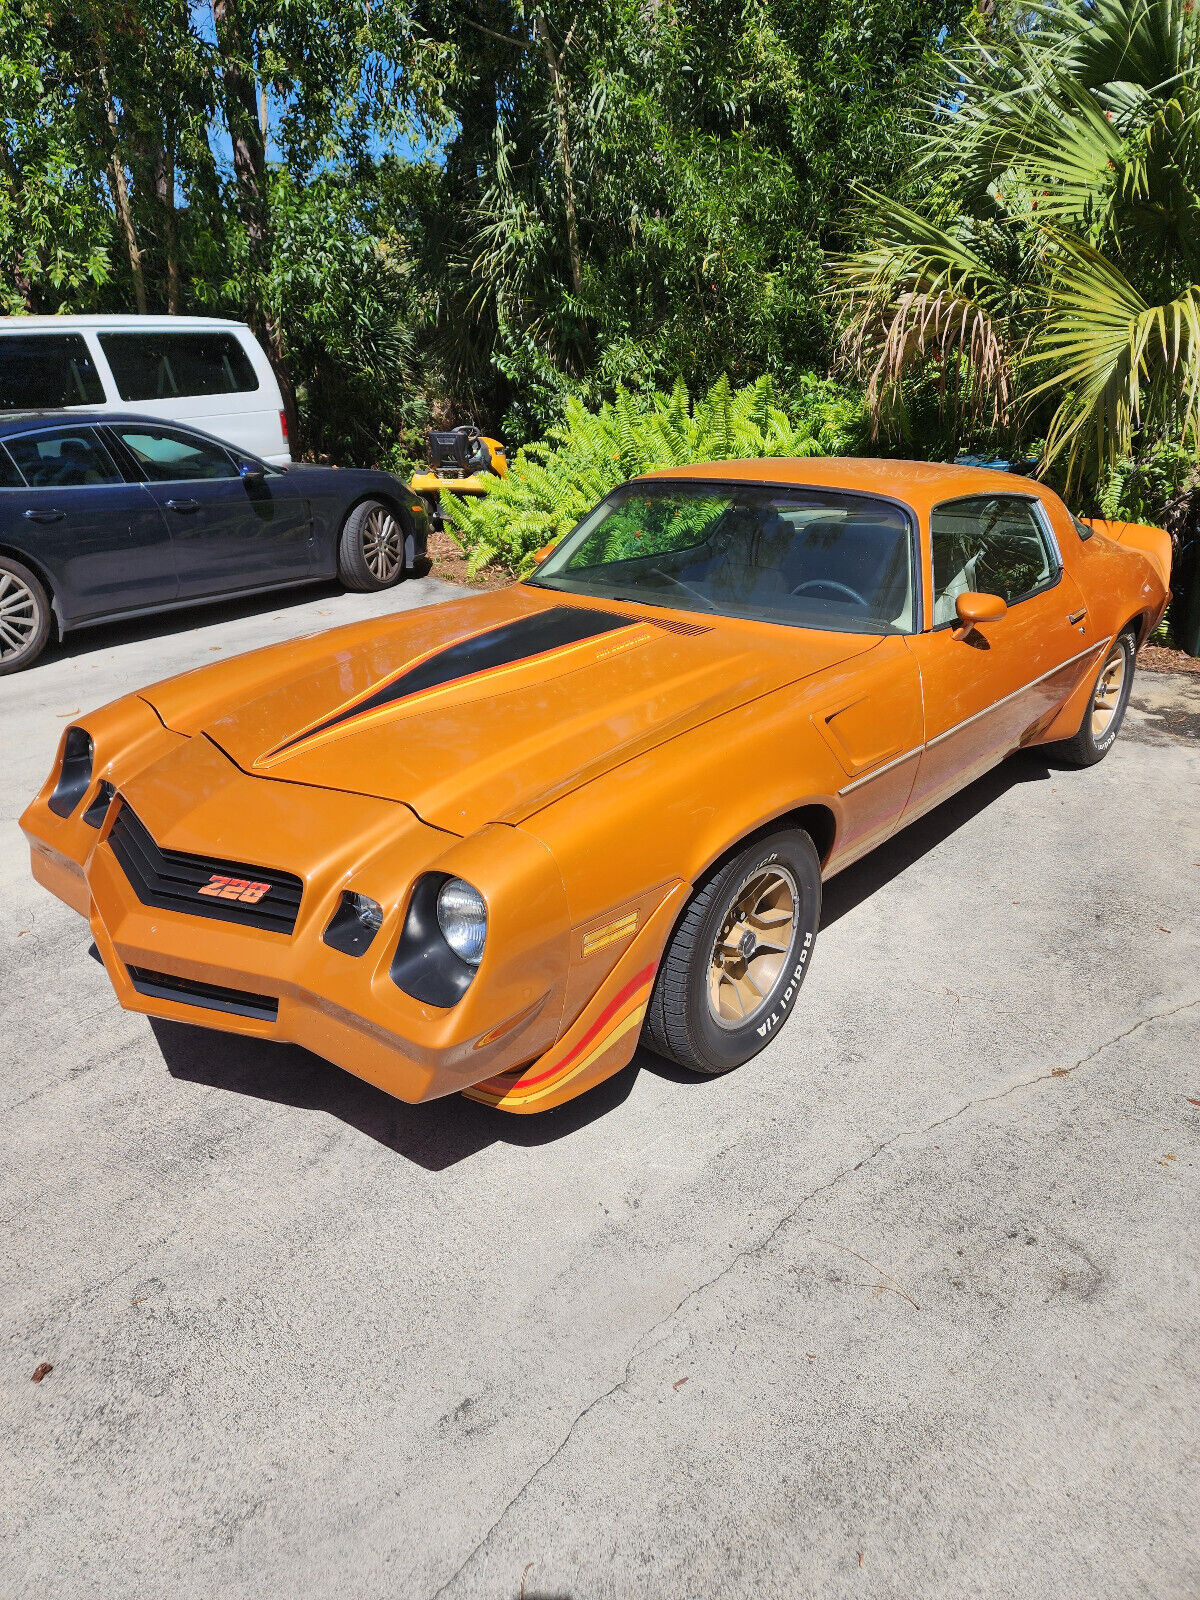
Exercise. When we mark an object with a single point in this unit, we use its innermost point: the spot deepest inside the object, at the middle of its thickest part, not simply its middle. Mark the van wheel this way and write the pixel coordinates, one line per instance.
(735, 963)
(24, 616)
(371, 549)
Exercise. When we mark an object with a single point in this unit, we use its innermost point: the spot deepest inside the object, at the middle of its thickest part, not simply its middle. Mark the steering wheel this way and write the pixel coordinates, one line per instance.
(832, 584)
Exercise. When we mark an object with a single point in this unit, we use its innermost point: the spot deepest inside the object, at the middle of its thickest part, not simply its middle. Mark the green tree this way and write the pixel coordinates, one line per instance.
(1049, 277)
(55, 235)
(631, 191)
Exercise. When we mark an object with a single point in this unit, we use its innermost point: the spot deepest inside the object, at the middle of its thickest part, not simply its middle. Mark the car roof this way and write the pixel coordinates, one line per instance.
(919, 484)
(75, 416)
(108, 322)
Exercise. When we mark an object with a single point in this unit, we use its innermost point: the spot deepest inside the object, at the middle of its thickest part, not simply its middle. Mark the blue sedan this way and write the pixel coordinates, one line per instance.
(119, 515)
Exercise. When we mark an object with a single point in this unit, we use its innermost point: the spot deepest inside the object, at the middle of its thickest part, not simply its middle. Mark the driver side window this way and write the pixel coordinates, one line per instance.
(993, 544)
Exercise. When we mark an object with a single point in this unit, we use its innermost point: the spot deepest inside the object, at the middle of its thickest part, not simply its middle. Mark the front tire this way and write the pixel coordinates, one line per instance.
(1106, 706)
(24, 616)
(371, 549)
(735, 963)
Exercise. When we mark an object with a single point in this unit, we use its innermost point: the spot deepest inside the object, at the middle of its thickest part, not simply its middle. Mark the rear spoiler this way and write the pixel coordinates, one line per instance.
(1154, 543)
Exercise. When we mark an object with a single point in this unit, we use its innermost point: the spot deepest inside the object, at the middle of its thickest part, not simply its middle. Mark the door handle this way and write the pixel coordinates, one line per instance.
(183, 506)
(50, 514)
(1077, 616)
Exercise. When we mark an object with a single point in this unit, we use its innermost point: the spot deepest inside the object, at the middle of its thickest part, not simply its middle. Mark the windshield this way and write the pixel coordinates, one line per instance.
(809, 558)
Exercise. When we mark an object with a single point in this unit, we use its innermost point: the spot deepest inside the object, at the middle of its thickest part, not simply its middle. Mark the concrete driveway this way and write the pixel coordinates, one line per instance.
(909, 1306)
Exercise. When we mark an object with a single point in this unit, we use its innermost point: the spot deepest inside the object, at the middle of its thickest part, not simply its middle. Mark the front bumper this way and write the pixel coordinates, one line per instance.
(346, 1008)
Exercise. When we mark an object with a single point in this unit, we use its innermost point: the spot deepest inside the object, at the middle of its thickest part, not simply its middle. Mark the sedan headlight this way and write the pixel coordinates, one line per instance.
(462, 917)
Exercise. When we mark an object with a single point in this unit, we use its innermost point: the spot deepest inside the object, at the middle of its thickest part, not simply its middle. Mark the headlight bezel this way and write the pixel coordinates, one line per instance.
(424, 965)
(75, 772)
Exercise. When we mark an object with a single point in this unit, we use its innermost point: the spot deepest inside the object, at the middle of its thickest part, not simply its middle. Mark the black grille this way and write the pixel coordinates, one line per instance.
(186, 991)
(173, 881)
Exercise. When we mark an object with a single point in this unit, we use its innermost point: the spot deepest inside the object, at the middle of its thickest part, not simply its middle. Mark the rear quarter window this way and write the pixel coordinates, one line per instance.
(69, 458)
(177, 366)
(43, 371)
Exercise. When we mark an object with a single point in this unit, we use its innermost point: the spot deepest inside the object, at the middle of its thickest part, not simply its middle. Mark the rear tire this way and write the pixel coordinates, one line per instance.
(735, 963)
(1106, 706)
(371, 548)
(25, 616)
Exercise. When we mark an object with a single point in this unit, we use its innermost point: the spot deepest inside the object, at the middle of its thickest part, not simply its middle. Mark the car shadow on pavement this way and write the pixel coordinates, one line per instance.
(861, 880)
(435, 1135)
(904, 849)
(443, 1132)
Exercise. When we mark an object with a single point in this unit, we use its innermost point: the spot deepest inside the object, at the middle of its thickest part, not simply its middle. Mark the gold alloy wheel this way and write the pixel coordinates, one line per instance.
(1106, 696)
(752, 945)
(382, 546)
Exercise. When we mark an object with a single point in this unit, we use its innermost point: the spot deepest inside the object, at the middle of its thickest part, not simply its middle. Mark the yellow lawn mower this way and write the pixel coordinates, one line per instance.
(462, 459)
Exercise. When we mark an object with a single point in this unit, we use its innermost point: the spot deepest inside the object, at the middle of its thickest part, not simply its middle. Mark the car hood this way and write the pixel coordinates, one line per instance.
(488, 708)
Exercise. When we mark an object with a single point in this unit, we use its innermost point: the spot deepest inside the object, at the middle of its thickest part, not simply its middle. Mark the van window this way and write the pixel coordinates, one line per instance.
(70, 459)
(169, 366)
(43, 371)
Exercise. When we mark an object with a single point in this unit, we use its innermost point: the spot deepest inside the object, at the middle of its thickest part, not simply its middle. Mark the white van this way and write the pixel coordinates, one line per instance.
(201, 370)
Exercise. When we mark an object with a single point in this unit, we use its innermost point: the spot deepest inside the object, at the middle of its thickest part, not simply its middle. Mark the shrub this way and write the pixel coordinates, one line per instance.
(553, 483)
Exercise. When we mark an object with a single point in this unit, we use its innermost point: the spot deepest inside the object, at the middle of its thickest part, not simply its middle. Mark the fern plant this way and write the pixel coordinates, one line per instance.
(553, 483)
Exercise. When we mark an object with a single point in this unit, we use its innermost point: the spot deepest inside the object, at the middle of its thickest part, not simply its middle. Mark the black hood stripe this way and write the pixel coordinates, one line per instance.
(515, 641)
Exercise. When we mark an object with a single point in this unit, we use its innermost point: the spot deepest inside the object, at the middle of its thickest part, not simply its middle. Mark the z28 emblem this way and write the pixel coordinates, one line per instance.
(234, 889)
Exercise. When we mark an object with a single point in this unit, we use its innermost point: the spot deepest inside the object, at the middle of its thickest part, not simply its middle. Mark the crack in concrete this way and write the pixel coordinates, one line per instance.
(759, 1248)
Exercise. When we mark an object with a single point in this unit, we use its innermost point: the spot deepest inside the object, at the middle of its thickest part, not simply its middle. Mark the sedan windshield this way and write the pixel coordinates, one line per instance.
(809, 558)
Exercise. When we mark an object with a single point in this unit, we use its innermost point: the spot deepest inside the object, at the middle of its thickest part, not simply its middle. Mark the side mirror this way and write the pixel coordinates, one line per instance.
(251, 473)
(973, 610)
(540, 555)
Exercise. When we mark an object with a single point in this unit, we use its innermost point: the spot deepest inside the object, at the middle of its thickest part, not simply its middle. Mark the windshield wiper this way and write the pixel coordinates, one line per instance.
(686, 587)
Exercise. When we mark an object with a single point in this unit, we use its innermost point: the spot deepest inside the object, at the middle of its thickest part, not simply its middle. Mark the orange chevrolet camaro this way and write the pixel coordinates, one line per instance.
(486, 847)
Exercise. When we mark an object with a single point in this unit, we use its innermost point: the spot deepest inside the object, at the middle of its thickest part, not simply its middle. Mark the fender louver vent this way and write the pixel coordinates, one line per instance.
(202, 886)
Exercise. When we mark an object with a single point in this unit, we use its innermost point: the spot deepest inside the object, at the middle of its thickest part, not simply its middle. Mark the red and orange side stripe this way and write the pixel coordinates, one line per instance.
(622, 1014)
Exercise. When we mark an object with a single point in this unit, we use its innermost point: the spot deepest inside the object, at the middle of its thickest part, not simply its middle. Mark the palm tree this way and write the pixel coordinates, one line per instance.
(1051, 271)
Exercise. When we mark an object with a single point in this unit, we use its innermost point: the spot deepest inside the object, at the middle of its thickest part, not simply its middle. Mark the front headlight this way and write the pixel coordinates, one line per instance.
(462, 917)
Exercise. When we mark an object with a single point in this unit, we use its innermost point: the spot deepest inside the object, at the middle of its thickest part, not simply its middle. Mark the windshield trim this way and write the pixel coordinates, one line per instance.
(907, 511)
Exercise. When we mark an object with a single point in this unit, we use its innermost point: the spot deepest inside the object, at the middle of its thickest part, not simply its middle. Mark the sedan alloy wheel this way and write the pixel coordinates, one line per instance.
(382, 544)
(24, 616)
(18, 616)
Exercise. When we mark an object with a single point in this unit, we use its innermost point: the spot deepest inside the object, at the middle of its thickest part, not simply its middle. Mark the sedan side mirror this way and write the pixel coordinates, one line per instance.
(251, 473)
(974, 609)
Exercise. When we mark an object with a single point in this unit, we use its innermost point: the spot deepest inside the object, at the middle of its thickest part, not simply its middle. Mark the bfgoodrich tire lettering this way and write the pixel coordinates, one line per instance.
(730, 928)
(1106, 705)
(24, 616)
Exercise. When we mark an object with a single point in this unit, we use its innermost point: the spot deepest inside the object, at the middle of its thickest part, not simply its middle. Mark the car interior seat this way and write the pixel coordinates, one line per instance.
(75, 464)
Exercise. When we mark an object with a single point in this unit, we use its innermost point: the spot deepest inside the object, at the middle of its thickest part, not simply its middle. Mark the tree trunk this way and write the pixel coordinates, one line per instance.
(21, 279)
(564, 150)
(164, 188)
(120, 199)
(244, 119)
(118, 187)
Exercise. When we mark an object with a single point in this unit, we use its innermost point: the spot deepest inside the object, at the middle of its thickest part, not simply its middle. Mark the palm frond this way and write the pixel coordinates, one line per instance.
(1123, 363)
